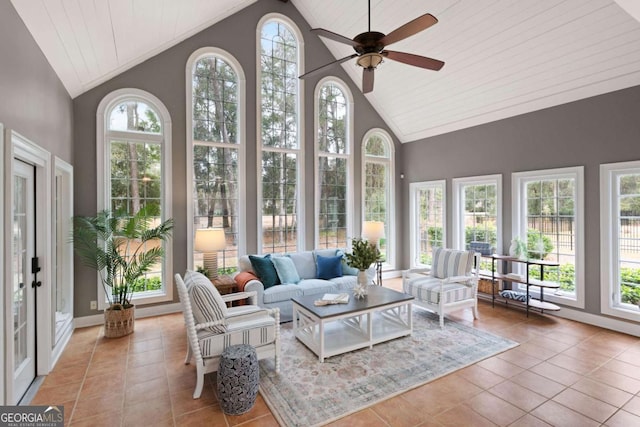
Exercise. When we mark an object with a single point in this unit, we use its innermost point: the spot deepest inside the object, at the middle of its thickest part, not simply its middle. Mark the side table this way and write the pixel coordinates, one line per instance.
(225, 285)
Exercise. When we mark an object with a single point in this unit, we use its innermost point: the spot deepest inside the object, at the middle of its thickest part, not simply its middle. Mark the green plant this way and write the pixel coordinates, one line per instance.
(122, 248)
(363, 254)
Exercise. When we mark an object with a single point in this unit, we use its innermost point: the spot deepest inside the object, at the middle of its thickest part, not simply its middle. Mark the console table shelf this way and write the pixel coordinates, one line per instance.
(539, 303)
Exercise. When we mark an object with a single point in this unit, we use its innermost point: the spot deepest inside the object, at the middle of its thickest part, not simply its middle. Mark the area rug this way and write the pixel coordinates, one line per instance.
(309, 393)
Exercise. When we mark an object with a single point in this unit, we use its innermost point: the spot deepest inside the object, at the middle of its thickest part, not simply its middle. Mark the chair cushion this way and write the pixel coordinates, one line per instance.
(286, 269)
(450, 262)
(206, 303)
(347, 270)
(316, 286)
(281, 293)
(305, 264)
(256, 331)
(328, 267)
(427, 289)
(265, 270)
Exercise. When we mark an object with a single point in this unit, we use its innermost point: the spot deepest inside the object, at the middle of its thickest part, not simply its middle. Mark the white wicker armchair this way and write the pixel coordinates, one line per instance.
(247, 324)
(451, 283)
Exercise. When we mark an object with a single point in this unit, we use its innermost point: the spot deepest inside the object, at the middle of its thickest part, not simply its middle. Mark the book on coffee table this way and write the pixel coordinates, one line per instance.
(333, 299)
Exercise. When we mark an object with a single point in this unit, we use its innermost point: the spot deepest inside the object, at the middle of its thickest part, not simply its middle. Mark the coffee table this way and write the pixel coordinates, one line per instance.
(383, 315)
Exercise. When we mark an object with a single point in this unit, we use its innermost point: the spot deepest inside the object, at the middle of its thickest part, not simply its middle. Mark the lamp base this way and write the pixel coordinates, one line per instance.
(210, 263)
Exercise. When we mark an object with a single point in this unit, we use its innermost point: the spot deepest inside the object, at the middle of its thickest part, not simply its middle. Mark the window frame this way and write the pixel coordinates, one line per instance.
(240, 145)
(103, 137)
(348, 156)
(519, 179)
(389, 162)
(609, 259)
(459, 185)
(414, 246)
(260, 148)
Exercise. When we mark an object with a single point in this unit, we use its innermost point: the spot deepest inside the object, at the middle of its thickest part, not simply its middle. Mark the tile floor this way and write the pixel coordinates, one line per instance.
(563, 374)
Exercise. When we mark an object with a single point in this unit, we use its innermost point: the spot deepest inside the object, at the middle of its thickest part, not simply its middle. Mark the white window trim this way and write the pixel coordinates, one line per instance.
(519, 179)
(300, 205)
(389, 162)
(458, 207)
(241, 145)
(414, 187)
(608, 253)
(105, 106)
(349, 134)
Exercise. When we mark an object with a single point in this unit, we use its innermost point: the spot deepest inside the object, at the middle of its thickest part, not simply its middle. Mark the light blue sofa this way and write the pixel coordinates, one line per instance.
(305, 262)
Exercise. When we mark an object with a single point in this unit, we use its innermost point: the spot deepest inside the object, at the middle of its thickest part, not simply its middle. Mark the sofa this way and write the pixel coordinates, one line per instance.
(298, 274)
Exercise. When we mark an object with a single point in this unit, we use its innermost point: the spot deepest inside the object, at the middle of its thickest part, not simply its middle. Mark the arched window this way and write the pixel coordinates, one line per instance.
(334, 108)
(134, 171)
(215, 105)
(378, 185)
(279, 211)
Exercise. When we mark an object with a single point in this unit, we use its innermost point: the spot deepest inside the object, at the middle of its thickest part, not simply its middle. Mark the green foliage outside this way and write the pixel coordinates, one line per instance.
(147, 284)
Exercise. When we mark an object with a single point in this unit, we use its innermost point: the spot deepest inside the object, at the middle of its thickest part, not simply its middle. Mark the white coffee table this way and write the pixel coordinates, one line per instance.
(383, 315)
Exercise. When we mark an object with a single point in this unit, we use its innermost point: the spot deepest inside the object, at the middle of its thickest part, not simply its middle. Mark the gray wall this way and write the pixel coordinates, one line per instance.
(33, 101)
(164, 77)
(602, 129)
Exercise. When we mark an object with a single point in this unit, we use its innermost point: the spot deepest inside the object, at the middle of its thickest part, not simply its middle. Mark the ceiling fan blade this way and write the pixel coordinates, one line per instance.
(335, 37)
(410, 28)
(367, 80)
(415, 60)
(337, 61)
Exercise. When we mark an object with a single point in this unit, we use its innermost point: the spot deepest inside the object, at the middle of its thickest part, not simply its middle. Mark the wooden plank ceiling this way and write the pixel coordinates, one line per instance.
(503, 57)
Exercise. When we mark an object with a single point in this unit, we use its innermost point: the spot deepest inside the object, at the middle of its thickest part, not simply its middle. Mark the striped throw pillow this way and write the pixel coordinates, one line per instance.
(450, 262)
(206, 303)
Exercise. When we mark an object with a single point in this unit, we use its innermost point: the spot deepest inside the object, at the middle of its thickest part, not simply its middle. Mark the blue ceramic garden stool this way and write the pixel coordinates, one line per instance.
(238, 379)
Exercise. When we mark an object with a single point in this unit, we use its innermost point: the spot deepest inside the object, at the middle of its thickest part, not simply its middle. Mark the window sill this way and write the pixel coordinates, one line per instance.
(145, 298)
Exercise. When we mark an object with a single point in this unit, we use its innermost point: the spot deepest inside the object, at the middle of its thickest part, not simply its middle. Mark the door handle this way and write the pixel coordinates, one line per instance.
(34, 284)
(21, 285)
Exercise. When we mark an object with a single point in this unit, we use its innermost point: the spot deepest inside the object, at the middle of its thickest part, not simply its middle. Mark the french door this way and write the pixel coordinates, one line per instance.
(23, 294)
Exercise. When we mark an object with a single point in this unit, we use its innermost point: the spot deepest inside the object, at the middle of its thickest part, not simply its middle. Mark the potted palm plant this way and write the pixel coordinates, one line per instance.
(363, 254)
(122, 248)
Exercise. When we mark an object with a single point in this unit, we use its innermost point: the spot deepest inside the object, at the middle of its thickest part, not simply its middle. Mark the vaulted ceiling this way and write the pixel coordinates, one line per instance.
(502, 57)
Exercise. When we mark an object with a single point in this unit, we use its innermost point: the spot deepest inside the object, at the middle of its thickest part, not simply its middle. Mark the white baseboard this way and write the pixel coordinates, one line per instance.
(626, 327)
(157, 310)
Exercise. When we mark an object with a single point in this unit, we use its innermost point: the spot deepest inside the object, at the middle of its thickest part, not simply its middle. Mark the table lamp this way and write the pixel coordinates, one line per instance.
(209, 241)
(373, 231)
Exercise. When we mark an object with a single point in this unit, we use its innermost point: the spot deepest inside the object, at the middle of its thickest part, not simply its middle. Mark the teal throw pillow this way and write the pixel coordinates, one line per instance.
(265, 270)
(329, 267)
(347, 270)
(286, 269)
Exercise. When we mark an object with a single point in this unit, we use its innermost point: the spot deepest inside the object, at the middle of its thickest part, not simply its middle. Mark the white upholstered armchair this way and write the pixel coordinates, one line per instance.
(212, 326)
(451, 283)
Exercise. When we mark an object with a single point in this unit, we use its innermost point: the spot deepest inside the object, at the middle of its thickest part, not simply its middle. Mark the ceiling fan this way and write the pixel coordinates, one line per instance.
(370, 48)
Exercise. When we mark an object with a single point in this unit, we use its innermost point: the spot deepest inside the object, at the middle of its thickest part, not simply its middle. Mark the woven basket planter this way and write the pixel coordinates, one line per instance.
(486, 286)
(118, 322)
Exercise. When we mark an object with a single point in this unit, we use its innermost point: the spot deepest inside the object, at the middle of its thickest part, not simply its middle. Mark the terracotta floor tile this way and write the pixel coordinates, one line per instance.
(183, 402)
(556, 373)
(495, 409)
(440, 399)
(154, 412)
(107, 403)
(97, 421)
(558, 415)
(259, 409)
(146, 345)
(604, 392)
(518, 395)
(616, 380)
(209, 416)
(631, 356)
(267, 420)
(623, 419)
(140, 374)
(538, 384)
(537, 351)
(72, 374)
(145, 358)
(623, 368)
(463, 415)
(519, 358)
(633, 406)
(500, 367)
(57, 395)
(364, 418)
(399, 412)
(480, 376)
(551, 344)
(111, 382)
(564, 337)
(140, 392)
(579, 366)
(580, 354)
(529, 421)
(585, 405)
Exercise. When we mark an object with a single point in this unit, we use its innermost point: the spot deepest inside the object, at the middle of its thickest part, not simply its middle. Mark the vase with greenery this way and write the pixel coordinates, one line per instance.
(122, 248)
(363, 254)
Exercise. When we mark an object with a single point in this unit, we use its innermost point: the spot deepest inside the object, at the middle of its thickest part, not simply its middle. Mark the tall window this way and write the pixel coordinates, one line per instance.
(134, 146)
(378, 187)
(477, 212)
(216, 110)
(280, 215)
(620, 239)
(334, 171)
(548, 215)
(428, 225)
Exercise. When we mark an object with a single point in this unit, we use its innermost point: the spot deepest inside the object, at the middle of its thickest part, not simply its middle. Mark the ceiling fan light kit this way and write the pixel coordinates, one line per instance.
(370, 48)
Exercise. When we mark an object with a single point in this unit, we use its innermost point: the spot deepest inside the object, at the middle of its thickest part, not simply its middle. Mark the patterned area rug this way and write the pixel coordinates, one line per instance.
(310, 393)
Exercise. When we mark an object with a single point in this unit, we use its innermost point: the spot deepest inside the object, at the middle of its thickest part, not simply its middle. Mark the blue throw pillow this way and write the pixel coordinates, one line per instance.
(265, 270)
(329, 267)
(286, 269)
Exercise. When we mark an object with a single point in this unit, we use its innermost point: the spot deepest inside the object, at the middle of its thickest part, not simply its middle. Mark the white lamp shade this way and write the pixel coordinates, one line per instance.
(210, 240)
(373, 231)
